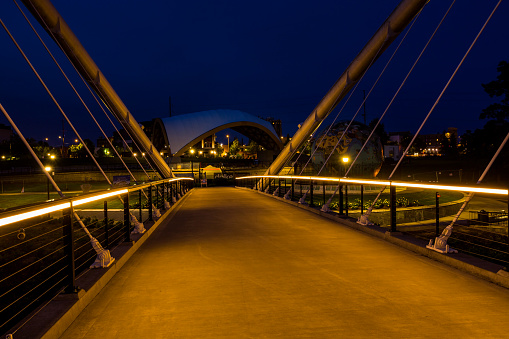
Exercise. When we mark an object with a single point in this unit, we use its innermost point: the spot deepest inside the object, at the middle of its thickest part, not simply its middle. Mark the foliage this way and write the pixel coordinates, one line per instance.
(380, 203)
(79, 151)
(449, 146)
(498, 88)
(234, 147)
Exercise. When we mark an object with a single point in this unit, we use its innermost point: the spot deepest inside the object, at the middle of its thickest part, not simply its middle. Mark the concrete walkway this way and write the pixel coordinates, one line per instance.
(233, 263)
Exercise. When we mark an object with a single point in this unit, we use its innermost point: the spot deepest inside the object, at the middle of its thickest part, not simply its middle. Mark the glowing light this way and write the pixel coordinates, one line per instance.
(36, 213)
(52, 156)
(345, 159)
(47, 169)
(99, 197)
(192, 151)
(135, 154)
(142, 154)
(3, 156)
(75, 140)
(387, 183)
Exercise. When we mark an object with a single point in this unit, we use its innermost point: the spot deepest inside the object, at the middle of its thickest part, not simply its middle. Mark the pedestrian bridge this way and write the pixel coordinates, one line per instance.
(236, 263)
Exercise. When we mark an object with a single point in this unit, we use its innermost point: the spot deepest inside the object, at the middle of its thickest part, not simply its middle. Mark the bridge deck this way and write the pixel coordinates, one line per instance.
(236, 264)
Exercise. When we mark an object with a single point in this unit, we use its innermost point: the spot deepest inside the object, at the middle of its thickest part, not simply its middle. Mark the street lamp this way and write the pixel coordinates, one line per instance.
(345, 161)
(228, 142)
(47, 169)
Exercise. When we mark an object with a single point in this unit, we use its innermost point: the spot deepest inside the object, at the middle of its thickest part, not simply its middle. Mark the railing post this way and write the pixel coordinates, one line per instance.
(127, 222)
(150, 204)
(270, 185)
(311, 189)
(437, 213)
(157, 195)
(285, 188)
(324, 193)
(346, 200)
(106, 225)
(362, 199)
(171, 192)
(68, 226)
(278, 187)
(141, 212)
(393, 208)
(300, 185)
(340, 199)
(293, 189)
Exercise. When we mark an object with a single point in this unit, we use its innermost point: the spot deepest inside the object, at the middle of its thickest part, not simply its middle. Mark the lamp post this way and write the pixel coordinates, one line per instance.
(345, 161)
(228, 136)
(47, 169)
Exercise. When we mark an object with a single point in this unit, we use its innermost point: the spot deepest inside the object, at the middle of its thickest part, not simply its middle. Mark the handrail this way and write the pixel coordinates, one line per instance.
(385, 183)
(24, 213)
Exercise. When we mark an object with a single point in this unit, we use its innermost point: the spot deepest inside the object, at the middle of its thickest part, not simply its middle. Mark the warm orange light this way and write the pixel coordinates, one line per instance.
(98, 197)
(387, 183)
(28, 215)
(47, 169)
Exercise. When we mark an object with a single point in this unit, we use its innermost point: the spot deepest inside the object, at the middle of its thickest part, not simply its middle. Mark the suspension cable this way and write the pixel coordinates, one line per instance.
(400, 86)
(371, 90)
(437, 100)
(54, 100)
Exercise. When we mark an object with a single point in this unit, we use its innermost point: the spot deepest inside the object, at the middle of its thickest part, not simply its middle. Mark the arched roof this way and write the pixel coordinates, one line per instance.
(183, 131)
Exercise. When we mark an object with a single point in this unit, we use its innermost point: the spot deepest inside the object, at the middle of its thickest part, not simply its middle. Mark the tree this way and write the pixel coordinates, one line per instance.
(498, 88)
(448, 145)
(234, 147)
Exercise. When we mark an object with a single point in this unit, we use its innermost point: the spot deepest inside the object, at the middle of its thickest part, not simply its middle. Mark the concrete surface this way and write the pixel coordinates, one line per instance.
(236, 264)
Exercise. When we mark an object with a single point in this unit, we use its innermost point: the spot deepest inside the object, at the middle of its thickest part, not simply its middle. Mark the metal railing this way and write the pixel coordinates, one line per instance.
(43, 248)
(482, 234)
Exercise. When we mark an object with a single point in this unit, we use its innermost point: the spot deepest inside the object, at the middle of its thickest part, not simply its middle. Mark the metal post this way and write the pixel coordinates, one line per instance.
(150, 204)
(324, 192)
(127, 223)
(300, 185)
(362, 199)
(106, 225)
(393, 208)
(346, 200)
(270, 184)
(141, 212)
(157, 195)
(285, 187)
(68, 226)
(340, 199)
(293, 188)
(311, 189)
(437, 214)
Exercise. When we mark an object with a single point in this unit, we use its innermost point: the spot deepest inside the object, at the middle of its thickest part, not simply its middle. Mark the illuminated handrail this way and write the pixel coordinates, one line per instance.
(24, 213)
(385, 183)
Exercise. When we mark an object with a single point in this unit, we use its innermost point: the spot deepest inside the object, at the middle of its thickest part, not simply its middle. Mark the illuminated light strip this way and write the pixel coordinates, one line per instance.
(28, 215)
(454, 188)
(388, 183)
(369, 182)
(99, 197)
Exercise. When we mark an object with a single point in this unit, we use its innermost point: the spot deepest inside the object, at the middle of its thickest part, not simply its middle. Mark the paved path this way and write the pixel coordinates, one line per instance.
(236, 264)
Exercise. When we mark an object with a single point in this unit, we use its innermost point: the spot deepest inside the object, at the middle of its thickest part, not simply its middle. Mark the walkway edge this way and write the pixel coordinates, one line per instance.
(60, 312)
(461, 261)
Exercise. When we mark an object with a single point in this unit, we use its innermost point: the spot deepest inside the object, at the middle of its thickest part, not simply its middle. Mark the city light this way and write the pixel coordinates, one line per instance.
(345, 159)
(47, 169)
(52, 156)
(192, 151)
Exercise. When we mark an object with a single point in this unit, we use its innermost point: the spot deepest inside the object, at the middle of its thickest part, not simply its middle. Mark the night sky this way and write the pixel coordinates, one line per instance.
(267, 58)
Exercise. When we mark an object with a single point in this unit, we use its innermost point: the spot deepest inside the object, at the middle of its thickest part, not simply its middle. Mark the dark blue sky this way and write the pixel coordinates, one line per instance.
(267, 58)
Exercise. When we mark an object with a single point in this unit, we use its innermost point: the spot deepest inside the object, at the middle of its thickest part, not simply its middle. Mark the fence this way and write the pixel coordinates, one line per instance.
(44, 247)
(483, 233)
